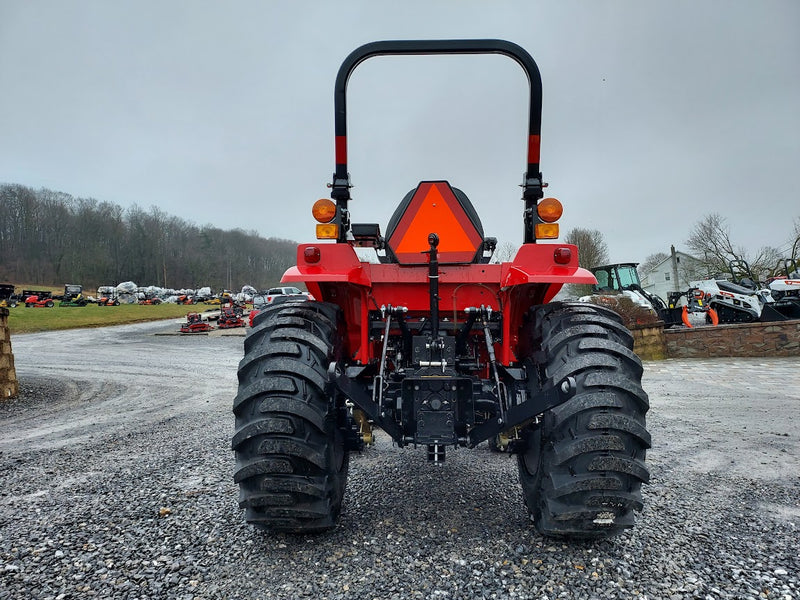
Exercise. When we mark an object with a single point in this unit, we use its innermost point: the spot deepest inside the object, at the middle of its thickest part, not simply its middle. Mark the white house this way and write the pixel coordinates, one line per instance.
(672, 274)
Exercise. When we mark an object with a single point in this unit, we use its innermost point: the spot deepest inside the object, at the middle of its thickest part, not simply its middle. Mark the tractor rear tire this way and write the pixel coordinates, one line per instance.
(583, 466)
(291, 460)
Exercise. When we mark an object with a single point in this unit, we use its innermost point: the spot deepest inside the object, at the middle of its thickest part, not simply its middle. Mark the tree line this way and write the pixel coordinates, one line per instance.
(52, 238)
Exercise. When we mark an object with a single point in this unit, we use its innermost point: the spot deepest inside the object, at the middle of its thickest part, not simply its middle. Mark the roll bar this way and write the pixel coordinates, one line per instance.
(532, 185)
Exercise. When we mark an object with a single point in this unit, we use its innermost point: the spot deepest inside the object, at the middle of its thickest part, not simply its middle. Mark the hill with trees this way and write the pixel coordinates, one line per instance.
(52, 238)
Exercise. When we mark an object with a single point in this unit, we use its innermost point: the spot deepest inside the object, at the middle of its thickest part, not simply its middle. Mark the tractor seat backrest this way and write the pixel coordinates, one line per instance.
(435, 207)
(734, 288)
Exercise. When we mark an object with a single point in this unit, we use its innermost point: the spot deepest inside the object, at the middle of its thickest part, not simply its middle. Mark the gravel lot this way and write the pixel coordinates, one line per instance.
(116, 482)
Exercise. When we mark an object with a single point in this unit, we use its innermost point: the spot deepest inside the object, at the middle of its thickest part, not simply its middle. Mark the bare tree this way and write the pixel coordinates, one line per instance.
(505, 252)
(592, 248)
(790, 251)
(592, 252)
(711, 243)
(651, 261)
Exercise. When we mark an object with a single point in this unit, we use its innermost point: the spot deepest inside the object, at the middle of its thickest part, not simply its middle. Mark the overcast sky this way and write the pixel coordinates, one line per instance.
(655, 113)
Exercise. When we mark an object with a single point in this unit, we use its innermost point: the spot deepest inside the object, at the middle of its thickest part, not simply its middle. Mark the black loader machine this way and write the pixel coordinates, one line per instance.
(417, 333)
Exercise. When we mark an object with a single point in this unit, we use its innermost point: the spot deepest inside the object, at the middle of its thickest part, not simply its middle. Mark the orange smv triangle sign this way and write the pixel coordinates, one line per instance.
(435, 215)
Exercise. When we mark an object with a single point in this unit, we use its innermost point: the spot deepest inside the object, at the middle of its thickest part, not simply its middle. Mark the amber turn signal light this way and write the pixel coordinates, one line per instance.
(324, 210)
(549, 210)
(327, 231)
(544, 231)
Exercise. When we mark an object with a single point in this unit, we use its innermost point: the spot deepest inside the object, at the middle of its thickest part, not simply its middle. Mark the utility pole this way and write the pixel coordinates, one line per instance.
(675, 283)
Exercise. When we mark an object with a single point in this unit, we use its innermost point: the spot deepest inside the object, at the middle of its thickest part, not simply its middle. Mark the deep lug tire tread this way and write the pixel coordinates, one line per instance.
(584, 466)
(291, 463)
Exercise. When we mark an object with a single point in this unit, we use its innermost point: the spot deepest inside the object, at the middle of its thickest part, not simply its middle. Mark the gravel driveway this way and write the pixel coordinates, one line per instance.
(116, 482)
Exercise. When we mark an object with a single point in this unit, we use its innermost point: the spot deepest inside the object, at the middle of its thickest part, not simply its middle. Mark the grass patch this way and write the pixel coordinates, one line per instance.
(30, 320)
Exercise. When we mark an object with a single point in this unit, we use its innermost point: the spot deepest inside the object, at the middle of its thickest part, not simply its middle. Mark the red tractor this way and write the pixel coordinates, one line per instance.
(417, 333)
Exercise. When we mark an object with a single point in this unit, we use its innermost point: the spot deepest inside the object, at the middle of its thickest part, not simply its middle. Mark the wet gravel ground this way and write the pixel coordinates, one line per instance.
(116, 482)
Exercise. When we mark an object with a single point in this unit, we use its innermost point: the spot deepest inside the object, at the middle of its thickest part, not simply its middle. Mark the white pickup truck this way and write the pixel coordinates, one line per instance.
(262, 299)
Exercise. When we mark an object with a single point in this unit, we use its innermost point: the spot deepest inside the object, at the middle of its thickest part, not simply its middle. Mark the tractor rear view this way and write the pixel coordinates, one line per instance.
(414, 331)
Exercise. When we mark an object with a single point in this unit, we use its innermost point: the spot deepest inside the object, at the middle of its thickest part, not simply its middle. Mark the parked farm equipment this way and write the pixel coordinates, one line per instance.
(705, 302)
(73, 296)
(437, 347)
(621, 280)
(8, 299)
(785, 282)
(195, 324)
(230, 318)
(696, 310)
(107, 295)
(148, 300)
(38, 299)
(745, 299)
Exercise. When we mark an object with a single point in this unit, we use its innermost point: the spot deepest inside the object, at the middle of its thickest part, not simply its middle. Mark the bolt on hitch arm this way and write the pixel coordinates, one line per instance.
(519, 413)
